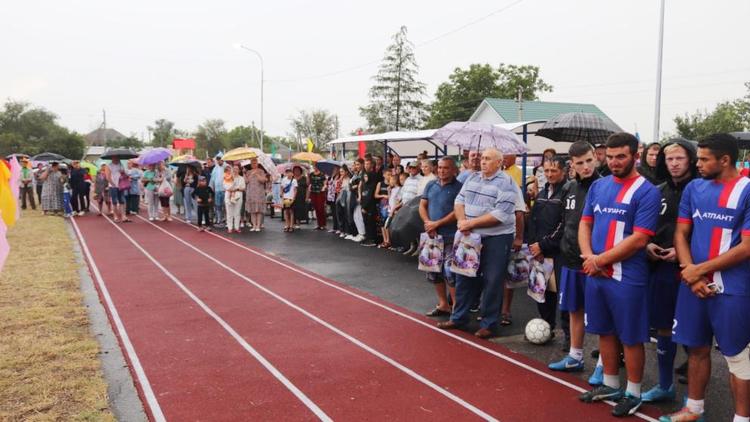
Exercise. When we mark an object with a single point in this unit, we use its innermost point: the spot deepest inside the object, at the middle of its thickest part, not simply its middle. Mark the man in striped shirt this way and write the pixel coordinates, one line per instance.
(485, 206)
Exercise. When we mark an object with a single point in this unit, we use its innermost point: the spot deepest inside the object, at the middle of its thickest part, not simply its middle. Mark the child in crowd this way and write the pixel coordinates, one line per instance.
(204, 197)
(394, 197)
(65, 181)
(288, 193)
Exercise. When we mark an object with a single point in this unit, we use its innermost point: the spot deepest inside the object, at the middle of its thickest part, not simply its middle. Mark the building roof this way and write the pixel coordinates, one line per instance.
(102, 136)
(534, 110)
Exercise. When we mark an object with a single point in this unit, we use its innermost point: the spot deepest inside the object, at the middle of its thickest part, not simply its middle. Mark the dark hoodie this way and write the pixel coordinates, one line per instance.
(647, 171)
(671, 192)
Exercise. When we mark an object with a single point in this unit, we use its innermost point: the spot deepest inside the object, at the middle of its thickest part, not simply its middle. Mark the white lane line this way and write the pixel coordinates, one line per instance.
(151, 401)
(355, 341)
(418, 321)
(245, 345)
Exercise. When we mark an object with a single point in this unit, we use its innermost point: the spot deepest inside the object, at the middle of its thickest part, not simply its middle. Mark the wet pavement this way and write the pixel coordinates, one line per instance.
(395, 278)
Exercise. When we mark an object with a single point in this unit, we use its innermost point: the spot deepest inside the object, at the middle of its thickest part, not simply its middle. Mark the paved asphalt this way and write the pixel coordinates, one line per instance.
(395, 278)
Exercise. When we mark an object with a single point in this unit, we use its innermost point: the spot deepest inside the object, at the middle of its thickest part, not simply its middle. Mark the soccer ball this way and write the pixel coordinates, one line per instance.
(538, 331)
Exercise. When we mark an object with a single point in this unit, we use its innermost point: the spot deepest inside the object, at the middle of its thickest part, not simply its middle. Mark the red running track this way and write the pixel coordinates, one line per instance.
(215, 330)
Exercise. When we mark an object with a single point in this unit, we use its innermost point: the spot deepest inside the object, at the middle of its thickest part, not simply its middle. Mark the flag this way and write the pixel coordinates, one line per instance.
(273, 149)
(8, 203)
(310, 145)
(361, 147)
(15, 178)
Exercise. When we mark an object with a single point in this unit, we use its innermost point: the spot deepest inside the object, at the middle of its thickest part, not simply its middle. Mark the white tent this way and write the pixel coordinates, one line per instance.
(410, 144)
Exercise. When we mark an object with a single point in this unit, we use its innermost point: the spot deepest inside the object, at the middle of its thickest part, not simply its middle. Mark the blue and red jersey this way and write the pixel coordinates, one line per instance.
(618, 208)
(720, 215)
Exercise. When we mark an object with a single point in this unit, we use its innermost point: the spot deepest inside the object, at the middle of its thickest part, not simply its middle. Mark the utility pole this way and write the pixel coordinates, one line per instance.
(660, 48)
(519, 100)
(104, 119)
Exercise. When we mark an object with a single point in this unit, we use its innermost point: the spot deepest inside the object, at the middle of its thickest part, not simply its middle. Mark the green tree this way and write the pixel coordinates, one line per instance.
(318, 125)
(32, 130)
(456, 99)
(396, 96)
(241, 136)
(128, 142)
(163, 131)
(728, 116)
(210, 138)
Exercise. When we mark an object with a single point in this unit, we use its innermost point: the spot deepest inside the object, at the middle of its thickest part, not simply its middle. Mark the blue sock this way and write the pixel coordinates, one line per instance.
(666, 350)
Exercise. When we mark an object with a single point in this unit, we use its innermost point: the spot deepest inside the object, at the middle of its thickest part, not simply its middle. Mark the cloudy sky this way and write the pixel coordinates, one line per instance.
(147, 59)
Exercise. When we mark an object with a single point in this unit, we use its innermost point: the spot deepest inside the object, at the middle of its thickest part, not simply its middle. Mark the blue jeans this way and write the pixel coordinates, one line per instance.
(187, 200)
(493, 266)
(219, 206)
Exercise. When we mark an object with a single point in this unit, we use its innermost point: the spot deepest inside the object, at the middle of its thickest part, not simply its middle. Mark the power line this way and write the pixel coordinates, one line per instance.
(363, 65)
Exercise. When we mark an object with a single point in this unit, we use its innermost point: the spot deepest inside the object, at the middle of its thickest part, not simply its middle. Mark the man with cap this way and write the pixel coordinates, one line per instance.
(216, 182)
(27, 182)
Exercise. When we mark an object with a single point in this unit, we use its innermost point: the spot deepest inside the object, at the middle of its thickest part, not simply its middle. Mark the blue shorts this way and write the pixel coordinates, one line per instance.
(663, 286)
(572, 289)
(726, 317)
(117, 196)
(616, 308)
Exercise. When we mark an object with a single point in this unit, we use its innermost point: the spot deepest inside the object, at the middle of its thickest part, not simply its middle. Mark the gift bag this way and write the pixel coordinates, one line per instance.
(540, 278)
(430, 253)
(519, 266)
(466, 252)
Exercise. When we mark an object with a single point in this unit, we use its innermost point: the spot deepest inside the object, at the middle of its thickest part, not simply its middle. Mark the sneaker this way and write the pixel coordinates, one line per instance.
(567, 364)
(343, 235)
(627, 405)
(368, 243)
(359, 238)
(151, 219)
(657, 394)
(682, 415)
(411, 250)
(348, 237)
(601, 392)
(597, 377)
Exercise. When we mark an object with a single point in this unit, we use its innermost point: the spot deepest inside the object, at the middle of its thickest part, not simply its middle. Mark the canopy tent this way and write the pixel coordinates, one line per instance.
(410, 144)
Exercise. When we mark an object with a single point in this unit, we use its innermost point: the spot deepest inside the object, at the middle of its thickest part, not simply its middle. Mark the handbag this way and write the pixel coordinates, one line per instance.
(430, 253)
(124, 182)
(165, 189)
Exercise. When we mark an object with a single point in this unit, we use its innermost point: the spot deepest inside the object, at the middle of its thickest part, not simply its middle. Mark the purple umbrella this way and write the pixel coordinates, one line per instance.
(154, 156)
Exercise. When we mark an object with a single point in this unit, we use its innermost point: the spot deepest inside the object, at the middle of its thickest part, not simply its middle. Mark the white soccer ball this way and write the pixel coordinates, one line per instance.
(538, 331)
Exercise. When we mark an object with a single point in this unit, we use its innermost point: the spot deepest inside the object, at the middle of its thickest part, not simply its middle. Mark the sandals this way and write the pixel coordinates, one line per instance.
(506, 319)
(438, 312)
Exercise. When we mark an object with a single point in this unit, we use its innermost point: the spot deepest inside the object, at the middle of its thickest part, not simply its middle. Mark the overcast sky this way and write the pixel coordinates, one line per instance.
(146, 59)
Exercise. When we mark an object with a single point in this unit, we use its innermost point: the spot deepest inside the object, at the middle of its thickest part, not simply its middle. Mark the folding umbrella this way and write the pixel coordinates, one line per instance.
(48, 156)
(571, 127)
(477, 136)
(239, 154)
(154, 156)
(328, 166)
(90, 167)
(121, 153)
(307, 156)
(743, 139)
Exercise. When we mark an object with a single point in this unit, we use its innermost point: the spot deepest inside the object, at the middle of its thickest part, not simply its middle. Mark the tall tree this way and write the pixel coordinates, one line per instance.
(162, 132)
(456, 99)
(131, 142)
(318, 125)
(210, 137)
(240, 136)
(32, 130)
(396, 97)
(728, 116)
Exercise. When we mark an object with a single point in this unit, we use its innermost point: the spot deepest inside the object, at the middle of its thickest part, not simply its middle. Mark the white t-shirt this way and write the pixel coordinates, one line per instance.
(423, 183)
(288, 193)
(115, 170)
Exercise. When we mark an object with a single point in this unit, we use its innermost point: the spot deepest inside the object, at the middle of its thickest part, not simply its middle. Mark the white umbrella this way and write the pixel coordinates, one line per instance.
(476, 136)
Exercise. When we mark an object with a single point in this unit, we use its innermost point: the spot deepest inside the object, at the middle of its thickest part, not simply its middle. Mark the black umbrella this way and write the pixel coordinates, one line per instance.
(48, 156)
(407, 224)
(192, 163)
(121, 153)
(571, 127)
(743, 139)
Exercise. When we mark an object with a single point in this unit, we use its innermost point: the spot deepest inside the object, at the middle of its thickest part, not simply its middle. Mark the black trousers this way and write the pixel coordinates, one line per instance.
(371, 228)
(334, 214)
(78, 199)
(204, 217)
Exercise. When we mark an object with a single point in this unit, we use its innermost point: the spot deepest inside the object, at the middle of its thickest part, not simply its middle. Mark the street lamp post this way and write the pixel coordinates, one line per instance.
(262, 80)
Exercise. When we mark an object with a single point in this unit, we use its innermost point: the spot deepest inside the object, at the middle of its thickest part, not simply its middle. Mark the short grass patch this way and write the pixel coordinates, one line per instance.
(49, 364)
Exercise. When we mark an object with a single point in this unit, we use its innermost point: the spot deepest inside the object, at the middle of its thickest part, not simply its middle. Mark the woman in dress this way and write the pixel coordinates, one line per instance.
(52, 189)
(256, 181)
(302, 199)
